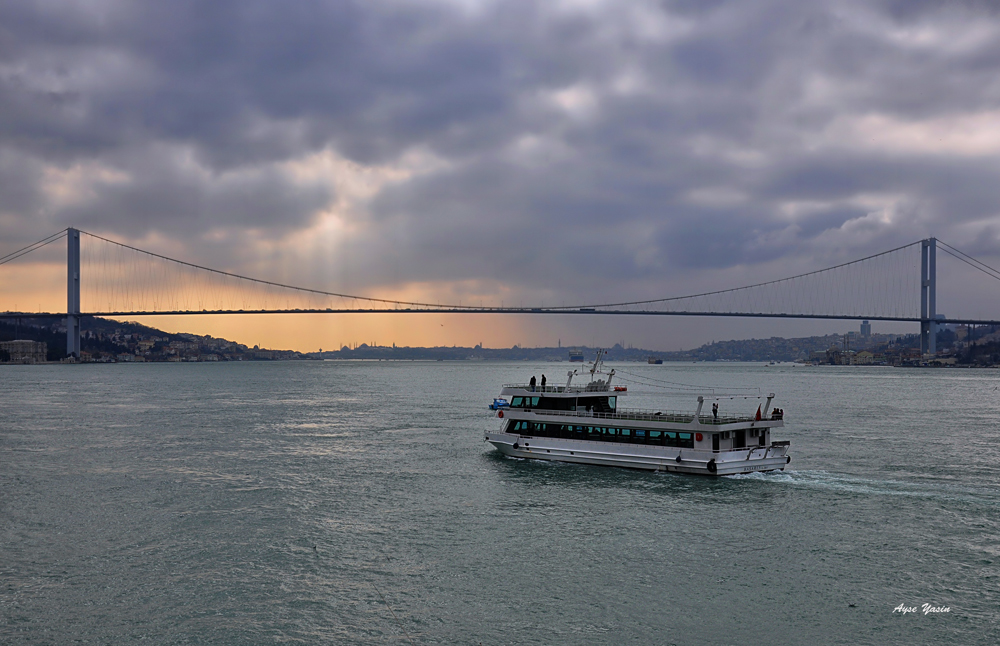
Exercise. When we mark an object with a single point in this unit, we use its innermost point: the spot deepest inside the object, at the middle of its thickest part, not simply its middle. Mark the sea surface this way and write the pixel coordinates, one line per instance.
(356, 503)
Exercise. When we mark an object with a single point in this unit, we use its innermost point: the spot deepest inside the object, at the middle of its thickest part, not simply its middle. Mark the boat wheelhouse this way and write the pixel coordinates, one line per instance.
(584, 424)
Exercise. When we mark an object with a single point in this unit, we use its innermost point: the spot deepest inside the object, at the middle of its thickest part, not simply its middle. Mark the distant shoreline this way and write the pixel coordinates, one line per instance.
(109, 341)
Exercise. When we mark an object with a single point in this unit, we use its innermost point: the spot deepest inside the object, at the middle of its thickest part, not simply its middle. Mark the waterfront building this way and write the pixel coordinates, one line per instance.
(24, 351)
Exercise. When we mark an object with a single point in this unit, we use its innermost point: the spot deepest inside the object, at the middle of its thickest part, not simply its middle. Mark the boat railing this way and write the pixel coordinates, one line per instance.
(647, 415)
(590, 388)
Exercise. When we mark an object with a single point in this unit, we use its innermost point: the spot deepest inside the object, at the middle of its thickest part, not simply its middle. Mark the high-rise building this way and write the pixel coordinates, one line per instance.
(866, 329)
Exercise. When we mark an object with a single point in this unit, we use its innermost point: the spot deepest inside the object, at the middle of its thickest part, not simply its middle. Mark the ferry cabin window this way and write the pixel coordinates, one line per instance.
(557, 403)
(596, 404)
(605, 434)
(524, 402)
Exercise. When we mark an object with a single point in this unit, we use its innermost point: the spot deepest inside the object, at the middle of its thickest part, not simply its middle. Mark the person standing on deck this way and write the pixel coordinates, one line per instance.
(532, 383)
(715, 410)
(543, 383)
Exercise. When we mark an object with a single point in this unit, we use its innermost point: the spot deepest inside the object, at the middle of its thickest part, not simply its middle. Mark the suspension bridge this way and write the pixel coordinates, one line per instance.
(119, 280)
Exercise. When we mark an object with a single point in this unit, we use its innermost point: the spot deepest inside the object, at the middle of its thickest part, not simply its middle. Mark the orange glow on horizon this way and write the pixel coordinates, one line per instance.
(312, 332)
(32, 287)
(41, 287)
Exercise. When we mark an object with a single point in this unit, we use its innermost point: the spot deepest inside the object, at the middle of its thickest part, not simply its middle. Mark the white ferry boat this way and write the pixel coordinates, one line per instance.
(584, 424)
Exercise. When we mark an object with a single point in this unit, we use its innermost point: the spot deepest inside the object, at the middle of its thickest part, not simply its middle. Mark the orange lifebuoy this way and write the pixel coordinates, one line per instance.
(697, 437)
(500, 414)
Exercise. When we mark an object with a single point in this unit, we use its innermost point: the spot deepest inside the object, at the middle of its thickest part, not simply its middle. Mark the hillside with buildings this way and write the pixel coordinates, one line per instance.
(37, 340)
(958, 345)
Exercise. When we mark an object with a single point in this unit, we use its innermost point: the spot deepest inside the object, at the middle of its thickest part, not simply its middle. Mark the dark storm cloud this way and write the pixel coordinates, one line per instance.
(167, 194)
(592, 144)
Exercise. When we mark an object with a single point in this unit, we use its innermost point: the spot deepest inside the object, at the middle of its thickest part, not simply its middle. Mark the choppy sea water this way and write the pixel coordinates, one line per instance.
(356, 503)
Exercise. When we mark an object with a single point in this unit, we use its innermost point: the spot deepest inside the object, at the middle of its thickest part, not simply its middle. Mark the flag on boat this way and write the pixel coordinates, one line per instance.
(758, 413)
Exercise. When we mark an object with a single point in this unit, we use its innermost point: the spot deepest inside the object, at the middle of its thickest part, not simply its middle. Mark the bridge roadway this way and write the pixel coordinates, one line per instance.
(505, 310)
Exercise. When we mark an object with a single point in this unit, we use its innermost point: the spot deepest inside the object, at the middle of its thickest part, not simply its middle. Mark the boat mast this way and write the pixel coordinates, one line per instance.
(596, 368)
(597, 362)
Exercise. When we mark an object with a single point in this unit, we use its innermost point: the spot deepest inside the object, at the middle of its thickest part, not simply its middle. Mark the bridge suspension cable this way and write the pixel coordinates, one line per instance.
(120, 280)
(23, 251)
(969, 260)
(757, 285)
(268, 283)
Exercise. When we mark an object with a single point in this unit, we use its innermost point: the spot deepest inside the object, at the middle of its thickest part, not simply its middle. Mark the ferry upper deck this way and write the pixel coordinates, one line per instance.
(599, 400)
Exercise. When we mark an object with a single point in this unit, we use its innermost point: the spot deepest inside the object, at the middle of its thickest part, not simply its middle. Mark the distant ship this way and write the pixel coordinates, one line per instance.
(576, 356)
(654, 360)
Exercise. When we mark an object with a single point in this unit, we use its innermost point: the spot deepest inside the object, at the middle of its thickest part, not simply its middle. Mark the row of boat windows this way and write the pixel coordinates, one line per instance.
(605, 434)
(596, 404)
(753, 432)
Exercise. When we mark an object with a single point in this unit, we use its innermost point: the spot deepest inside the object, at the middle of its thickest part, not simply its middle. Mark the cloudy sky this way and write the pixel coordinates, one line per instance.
(518, 151)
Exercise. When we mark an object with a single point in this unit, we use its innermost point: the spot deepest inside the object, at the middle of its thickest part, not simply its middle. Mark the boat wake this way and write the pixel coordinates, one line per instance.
(858, 485)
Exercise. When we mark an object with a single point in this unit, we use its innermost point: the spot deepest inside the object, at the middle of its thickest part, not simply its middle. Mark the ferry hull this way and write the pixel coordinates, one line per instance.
(695, 462)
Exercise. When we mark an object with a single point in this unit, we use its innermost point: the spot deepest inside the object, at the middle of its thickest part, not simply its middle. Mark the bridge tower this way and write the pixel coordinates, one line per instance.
(73, 293)
(928, 296)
